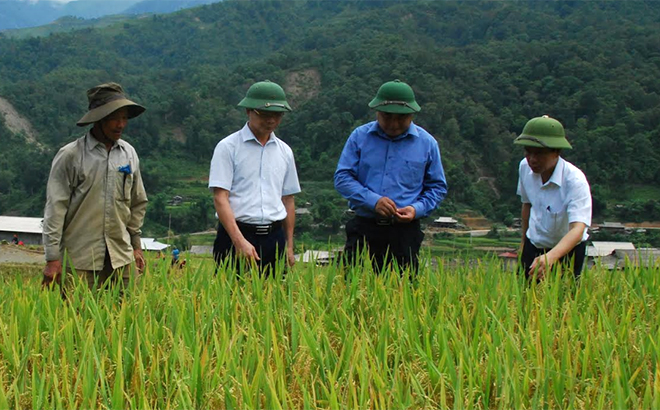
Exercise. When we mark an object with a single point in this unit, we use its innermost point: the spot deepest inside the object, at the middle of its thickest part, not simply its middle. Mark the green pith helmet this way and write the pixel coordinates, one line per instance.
(543, 132)
(395, 97)
(266, 96)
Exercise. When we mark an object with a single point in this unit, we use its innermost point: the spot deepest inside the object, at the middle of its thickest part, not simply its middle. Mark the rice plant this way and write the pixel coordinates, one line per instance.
(467, 336)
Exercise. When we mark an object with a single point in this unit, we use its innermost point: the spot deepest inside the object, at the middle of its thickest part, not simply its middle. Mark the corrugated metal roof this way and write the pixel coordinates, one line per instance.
(606, 248)
(21, 224)
(446, 220)
(201, 250)
(150, 244)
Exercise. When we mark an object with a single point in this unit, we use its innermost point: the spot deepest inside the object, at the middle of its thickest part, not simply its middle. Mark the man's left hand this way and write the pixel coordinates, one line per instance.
(406, 214)
(139, 260)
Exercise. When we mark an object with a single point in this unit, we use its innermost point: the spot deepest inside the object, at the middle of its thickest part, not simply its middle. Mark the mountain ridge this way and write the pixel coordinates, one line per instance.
(480, 70)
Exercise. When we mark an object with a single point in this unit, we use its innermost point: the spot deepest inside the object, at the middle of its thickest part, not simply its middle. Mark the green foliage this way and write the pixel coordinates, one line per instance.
(479, 69)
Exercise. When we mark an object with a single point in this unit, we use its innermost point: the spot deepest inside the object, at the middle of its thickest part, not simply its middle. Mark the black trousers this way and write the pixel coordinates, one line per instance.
(530, 252)
(398, 242)
(270, 246)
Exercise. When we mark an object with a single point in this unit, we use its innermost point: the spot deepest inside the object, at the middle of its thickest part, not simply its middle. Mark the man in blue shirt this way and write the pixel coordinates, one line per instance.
(391, 173)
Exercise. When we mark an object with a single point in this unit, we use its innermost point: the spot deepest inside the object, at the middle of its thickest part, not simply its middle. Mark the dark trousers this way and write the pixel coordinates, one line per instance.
(530, 252)
(385, 243)
(270, 246)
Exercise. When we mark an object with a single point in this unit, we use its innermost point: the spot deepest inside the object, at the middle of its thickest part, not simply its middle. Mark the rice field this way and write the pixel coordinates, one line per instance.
(472, 336)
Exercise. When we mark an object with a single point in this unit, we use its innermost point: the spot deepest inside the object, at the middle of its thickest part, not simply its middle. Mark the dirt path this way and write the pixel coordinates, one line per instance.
(20, 254)
(18, 124)
(651, 225)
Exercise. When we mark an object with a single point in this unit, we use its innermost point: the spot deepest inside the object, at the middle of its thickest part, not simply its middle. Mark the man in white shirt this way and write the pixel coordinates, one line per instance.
(556, 201)
(253, 177)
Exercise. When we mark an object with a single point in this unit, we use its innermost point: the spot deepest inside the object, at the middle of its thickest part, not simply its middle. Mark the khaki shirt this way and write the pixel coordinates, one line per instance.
(92, 205)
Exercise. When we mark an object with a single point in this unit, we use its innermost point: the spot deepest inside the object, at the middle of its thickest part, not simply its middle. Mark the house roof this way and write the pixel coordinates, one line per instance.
(612, 225)
(641, 256)
(150, 244)
(508, 255)
(21, 224)
(201, 250)
(314, 255)
(445, 220)
(598, 249)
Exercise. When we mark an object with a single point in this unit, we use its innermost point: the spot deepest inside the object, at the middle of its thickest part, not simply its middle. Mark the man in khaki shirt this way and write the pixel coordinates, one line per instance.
(95, 199)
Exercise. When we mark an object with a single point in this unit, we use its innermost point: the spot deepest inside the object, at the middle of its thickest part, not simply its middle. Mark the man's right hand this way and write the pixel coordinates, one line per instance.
(385, 207)
(245, 249)
(52, 272)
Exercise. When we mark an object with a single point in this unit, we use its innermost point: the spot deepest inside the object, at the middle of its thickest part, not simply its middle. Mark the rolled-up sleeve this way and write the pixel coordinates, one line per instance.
(58, 195)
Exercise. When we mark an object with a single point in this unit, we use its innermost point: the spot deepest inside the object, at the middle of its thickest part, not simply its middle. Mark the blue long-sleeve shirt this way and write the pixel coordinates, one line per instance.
(406, 169)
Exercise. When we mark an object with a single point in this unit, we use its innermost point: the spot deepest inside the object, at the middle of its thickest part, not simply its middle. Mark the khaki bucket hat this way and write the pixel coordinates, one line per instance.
(105, 99)
(543, 132)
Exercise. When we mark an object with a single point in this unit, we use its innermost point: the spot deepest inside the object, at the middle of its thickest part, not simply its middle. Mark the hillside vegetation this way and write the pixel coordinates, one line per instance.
(479, 69)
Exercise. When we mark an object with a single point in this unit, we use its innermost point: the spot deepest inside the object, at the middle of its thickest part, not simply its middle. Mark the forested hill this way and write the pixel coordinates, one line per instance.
(479, 69)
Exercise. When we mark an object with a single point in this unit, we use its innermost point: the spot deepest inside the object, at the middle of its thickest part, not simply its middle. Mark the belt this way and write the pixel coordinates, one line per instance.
(377, 221)
(261, 229)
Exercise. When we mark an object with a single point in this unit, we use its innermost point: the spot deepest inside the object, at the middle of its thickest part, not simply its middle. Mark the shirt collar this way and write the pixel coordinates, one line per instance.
(375, 129)
(558, 174)
(92, 142)
(247, 135)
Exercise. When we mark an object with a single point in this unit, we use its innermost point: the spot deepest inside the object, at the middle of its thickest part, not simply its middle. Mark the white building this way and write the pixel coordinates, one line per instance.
(28, 230)
(151, 244)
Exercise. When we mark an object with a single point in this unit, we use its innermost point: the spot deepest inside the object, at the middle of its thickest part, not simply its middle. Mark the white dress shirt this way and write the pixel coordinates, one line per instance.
(565, 198)
(256, 176)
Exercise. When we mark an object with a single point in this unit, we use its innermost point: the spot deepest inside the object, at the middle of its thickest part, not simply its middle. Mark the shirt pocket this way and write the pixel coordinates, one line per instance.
(555, 222)
(274, 173)
(412, 174)
(124, 186)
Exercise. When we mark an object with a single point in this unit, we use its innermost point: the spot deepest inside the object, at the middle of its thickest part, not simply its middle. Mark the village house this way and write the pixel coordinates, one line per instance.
(320, 258)
(201, 250)
(29, 230)
(152, 245)
(612, 227)
(445, 222)
(608, 254)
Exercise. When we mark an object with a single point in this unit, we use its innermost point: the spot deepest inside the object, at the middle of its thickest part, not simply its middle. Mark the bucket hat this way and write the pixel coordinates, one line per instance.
(395, 97)
(105, 99)
(266, 96)
(543, 132)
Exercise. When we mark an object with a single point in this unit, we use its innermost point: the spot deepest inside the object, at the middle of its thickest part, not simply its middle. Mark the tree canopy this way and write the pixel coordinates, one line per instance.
(480, 70)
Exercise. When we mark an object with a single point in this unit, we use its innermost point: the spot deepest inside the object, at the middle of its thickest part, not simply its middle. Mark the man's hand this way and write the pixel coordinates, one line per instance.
(290, 256)
(541, 265)
(52, 273)
(245, 249)
(385, 207)
(139, 260)
(406, 214)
